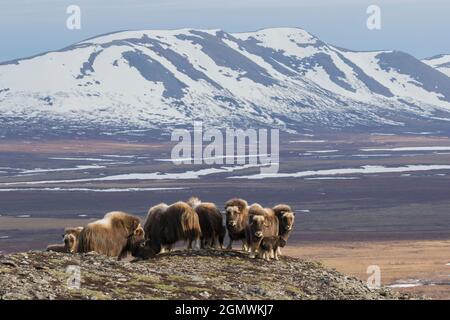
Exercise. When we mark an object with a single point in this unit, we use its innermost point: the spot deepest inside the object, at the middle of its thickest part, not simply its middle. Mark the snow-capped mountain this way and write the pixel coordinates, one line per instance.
(283, 77)
(441, 62)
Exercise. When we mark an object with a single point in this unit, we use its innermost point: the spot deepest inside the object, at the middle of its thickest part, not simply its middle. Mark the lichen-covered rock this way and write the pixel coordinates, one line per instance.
(179, 275)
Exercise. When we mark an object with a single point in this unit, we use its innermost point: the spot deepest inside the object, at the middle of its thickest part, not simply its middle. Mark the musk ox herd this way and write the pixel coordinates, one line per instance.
(262, 231)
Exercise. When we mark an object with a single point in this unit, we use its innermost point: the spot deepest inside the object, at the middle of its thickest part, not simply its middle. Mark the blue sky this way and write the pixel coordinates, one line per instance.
(419, 27)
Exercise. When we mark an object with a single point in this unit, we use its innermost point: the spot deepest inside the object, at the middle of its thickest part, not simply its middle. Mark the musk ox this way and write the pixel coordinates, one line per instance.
(117, 234)
(70, 238)
(286, 219)
(165, 225)
(270, 245)
(236, 211)
(57, 248)
(211, 223)
(262, 223)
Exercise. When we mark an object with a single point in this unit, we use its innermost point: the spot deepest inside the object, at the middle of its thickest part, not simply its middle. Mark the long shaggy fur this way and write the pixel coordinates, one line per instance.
(269, 246)
(236, 211)
(165, 225)
(286, 220)
(256, 210)
(70, 238)
(262, 223)
(113, 235)
(211, 223)
(236, 202)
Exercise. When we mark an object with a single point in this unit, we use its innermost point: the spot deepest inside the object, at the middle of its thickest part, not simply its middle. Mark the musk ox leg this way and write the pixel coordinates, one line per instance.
(230, 245)
(221, 242)
(245, 246)
(276, 255)
(252, 254)
(197, 244)
(194, 244)
(206, 243)
(272, 254)
(189, 247)
(123, 254)
(279, 251)
(216, 242)
(167, 248)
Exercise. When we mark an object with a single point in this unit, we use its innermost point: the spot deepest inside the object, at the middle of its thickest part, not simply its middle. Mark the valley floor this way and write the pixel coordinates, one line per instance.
(418, 266)
(360, 199)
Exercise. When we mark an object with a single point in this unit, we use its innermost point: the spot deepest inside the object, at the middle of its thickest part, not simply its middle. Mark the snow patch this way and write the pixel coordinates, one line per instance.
(362, 170)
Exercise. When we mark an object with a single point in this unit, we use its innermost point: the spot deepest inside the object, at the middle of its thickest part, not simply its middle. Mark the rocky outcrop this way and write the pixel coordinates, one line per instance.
(179, 275)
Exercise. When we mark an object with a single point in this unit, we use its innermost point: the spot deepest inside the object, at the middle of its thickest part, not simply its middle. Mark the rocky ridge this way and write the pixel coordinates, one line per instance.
(179, 275)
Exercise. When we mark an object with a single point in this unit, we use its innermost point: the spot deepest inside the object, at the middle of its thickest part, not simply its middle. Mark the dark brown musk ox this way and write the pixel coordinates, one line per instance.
(236, 213)
(286, 218)
(211, 223)
(262, 223)
(165, 225)
(116, 235)
(57, 248)
(70, 238)
(270, 245)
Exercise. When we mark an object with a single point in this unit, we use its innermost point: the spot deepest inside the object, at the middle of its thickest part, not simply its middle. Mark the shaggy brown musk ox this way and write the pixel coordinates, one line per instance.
(236, 211)
(262, 223)
(165, 225)
(286, 218)
(117, 234)
(211, 223)
(70, 238)
(270, 245)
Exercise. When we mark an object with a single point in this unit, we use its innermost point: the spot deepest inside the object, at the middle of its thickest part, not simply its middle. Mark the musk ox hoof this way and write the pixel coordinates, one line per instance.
(252, 256)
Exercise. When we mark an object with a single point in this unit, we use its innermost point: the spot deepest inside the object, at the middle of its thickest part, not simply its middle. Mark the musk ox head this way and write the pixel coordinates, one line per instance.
(232, 216)
(145, 250)
(137, 238)
(235, 210)
(70, 238)
(257, 226)
(287, 220)
(135, 242)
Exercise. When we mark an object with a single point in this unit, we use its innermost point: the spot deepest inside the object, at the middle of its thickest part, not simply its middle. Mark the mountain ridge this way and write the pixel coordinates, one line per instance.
(279, 77)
